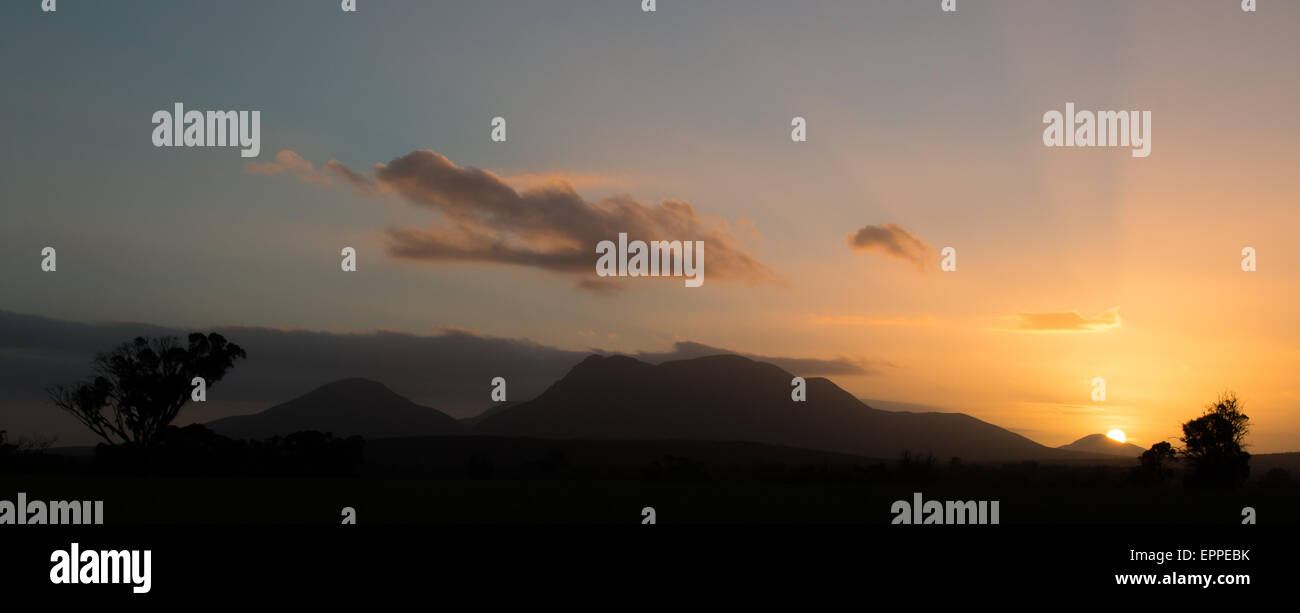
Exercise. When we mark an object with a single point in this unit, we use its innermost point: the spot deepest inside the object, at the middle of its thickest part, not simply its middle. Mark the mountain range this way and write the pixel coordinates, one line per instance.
(721, 398)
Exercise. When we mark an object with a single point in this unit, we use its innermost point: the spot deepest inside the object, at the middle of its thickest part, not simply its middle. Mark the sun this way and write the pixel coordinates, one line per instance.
(1117, 435)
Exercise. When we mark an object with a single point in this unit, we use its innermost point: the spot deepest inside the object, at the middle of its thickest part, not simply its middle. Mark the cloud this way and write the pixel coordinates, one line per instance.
(685, 350)
(288, 161)
(531, 180)
(364, 185)
(602, 286)
(448, 370)
(859, 320)
(893, 241)
(1065, 321)
(548, 225)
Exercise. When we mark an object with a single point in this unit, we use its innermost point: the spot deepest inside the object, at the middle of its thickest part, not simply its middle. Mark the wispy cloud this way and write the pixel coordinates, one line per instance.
(1064, 321)
(859, 320)
(685, 350)
(290, 162)
(602, 286)
(892, 240)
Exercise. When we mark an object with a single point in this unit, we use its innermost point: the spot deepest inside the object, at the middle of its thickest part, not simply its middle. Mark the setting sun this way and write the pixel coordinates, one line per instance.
(1117, 435)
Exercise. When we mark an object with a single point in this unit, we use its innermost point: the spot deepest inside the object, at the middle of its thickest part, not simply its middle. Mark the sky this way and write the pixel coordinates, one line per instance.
(924, 131)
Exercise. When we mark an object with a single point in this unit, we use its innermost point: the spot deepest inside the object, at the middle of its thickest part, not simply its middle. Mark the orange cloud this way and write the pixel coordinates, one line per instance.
(288, 161)
(858, 320)
(486, 219)
(532, 180)
(1065, 321)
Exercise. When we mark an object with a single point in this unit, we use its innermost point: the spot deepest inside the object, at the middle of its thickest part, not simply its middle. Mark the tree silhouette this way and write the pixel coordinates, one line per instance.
(1214, 445)
(1153, 461)
(138, 388)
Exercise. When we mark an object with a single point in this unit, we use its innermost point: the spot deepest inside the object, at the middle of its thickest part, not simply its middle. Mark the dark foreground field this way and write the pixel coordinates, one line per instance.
(486, 479)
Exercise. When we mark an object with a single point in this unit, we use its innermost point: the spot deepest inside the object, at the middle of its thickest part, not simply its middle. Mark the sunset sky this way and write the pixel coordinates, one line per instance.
(1072, 263)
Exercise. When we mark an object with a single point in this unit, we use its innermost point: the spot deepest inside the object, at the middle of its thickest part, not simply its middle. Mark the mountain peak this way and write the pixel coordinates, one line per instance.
(1105, 445)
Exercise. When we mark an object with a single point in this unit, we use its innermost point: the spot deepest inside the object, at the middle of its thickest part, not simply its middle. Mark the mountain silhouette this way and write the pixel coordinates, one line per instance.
(345, 408)
(1105, 445)
(733, 398)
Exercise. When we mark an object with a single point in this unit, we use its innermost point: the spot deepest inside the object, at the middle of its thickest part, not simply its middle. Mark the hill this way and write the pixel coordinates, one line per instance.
(345, 408)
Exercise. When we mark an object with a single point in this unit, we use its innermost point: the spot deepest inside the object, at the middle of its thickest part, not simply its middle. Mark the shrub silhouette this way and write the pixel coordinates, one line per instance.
(916, 467)
(1277, 477)
(1213, 445)
(140, 387)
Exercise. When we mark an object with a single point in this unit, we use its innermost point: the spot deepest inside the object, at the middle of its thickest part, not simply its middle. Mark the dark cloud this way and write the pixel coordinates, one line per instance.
(893, 241)
(548, 226)
(685, 350)
(450, 370)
